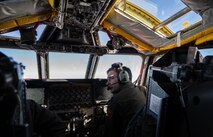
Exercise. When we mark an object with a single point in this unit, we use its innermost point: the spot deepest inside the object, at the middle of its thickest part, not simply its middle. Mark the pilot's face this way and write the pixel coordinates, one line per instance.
(112, 81)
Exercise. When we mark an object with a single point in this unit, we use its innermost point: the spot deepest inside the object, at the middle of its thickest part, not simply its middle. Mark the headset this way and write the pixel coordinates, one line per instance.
(10, 72)
(123, 76)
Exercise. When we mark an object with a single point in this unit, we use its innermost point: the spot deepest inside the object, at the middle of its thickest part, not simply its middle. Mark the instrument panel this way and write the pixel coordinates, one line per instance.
(80, 103)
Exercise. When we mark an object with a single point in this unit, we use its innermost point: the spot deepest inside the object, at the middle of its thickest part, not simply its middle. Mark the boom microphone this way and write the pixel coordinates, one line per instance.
(108, 88)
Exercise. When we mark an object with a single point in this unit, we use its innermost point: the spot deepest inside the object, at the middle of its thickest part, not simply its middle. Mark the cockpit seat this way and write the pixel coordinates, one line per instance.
(141, 125)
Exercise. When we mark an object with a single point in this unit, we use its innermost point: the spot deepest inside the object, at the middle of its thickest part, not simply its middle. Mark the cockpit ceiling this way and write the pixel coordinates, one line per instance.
(77, 19)
(73, 19)
(121, 22)
(81, 13)
(16, 9)
(18, 13)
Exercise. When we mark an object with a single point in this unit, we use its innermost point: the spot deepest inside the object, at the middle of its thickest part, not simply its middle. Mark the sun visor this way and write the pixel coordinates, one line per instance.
(136, 29)
(18, 8)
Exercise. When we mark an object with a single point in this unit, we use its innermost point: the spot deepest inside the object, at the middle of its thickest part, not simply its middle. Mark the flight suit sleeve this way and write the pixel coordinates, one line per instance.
(45, 122)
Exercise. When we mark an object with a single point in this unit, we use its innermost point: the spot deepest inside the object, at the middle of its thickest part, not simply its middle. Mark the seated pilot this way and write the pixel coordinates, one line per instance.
(40, 120)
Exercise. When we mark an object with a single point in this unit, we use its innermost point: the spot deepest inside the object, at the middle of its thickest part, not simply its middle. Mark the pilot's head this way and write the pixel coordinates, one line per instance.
(8, 89)
(117, 76)
(8, 74)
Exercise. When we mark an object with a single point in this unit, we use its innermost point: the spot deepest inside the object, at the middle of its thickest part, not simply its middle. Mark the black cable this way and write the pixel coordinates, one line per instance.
(179, 87)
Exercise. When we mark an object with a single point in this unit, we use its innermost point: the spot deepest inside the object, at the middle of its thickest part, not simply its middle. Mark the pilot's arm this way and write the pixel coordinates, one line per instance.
(44, 122)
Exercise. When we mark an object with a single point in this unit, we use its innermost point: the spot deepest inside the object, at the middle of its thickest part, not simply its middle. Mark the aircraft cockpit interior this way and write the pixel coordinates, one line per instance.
(58, 54)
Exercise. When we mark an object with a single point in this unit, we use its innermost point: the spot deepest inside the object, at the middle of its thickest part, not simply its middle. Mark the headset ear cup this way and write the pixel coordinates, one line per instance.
(123, 76)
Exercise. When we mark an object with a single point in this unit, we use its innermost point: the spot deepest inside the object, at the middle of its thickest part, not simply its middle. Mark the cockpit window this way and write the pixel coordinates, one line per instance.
(66, 66)
(206, 52)
(27, 58)
(104, 38)
(184, 21)
(154, 12)
(16, 33)
(39, 31)
(133, 62)
(162, 9)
